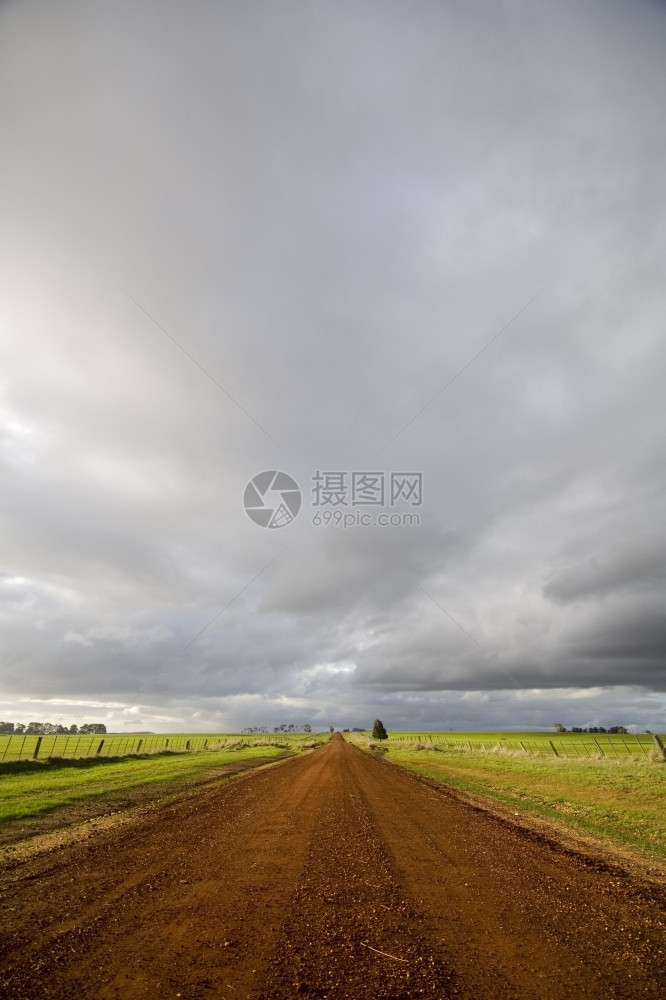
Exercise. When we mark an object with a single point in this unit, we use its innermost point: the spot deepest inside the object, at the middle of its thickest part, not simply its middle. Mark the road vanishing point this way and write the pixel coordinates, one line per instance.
(330, 875)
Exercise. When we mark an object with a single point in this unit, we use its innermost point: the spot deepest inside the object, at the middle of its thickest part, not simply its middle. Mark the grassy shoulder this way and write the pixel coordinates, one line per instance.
(37, 796)
(620, 802)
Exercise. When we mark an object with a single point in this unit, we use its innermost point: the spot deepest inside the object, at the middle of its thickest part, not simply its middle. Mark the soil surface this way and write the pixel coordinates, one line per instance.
(332, 875)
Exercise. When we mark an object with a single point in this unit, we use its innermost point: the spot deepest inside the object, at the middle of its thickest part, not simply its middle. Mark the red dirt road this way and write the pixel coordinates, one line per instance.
(333, 875)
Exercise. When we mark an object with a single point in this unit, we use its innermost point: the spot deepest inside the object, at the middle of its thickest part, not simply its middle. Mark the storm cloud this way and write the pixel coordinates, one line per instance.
(387, 237)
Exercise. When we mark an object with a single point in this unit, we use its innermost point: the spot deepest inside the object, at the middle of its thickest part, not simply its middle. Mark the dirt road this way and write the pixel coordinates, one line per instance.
(332, 875)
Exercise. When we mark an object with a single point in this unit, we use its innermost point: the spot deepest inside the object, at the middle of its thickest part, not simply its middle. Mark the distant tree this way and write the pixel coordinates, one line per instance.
(95, 727)
(331, 729)
(378, 731)
(6, 727)
(620, 730)
(559, 728)
(35, 728)
(19, 727)
(307, 728)
(74, 729)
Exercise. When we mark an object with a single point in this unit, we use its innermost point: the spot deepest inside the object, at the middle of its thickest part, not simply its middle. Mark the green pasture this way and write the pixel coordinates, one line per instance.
(20, 747)
(568, 745)
(29, 789)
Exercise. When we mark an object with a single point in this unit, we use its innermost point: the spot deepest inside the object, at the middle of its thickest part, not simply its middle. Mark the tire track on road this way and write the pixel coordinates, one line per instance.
(334, 876)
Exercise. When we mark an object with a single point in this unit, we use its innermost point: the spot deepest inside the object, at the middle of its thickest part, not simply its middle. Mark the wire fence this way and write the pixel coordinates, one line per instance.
(32, 747)
(572, 746)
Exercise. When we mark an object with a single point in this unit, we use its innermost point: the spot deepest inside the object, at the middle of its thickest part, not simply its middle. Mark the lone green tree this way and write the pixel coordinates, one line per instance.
(378, 731)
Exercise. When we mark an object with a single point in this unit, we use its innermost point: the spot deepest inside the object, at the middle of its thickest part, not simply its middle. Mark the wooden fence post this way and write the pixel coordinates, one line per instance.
(657, 740)
(187, 745)
(99, 748)
(37, 746)
(598, 746)
(552, 745)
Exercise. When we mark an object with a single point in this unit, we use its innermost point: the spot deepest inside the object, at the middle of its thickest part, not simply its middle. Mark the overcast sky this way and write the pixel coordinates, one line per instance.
(335, 237)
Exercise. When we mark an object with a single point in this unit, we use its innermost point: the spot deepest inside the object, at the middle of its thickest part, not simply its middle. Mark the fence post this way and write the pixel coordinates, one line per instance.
(552, 746)
(598, 746)
(187, 745)
(138, 746)
(657, 740)
(99, 748)
(37, 746)
(522, 745)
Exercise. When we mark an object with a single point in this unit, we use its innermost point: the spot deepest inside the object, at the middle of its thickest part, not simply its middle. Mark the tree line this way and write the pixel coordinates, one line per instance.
(49, 729)
(284, 728)
(616, 730)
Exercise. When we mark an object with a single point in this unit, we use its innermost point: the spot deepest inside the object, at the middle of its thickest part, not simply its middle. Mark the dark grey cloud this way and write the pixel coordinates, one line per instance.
(333, 210)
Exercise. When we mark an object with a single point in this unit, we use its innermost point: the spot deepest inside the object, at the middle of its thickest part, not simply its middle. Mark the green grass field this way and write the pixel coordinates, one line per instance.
(569, 745)
(620, 798)
(118, 745)
(29, 789)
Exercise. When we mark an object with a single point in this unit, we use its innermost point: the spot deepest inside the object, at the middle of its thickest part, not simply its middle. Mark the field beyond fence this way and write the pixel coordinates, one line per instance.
(22, 747)
(566, 745)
